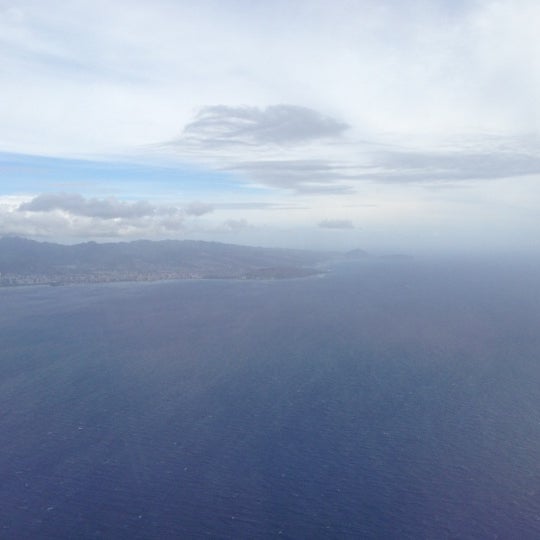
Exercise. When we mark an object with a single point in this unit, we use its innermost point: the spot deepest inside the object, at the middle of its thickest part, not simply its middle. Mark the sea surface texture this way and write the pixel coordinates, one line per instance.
(388, 399)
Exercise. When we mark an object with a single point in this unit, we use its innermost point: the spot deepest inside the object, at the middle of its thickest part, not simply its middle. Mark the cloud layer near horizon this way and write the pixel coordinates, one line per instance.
(72, 215)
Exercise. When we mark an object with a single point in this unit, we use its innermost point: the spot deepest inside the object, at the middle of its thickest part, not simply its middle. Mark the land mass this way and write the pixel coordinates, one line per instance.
(27, 262)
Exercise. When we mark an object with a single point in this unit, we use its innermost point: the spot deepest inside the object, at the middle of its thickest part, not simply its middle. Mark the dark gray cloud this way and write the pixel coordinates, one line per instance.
(336, 224)
(278, 124)
(96, 208)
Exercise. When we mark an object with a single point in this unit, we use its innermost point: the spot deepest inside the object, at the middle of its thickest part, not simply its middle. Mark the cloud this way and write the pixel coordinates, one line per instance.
(306, 175)
(409, 75)
(77, 205)
(71, 216)
(241, 141)
(396, 67)
(336, 224)
(256, 205)
(278, 146)
(236, 224)
(453, 165)
(198, 209)
(220, 125)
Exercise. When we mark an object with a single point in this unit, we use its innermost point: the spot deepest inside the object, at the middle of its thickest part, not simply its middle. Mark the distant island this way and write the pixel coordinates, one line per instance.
(27, 262)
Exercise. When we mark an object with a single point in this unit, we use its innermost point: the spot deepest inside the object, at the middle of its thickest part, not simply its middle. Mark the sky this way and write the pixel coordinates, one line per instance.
(378, 124)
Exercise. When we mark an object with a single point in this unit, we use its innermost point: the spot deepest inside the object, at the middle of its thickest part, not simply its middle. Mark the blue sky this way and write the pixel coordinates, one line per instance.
(380, 124)
(127, 179)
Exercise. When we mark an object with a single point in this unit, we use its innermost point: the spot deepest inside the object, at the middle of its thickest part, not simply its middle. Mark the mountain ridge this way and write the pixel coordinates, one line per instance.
(25, 261)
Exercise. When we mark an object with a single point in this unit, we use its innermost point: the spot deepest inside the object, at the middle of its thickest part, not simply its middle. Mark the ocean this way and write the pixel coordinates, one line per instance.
(390, 398)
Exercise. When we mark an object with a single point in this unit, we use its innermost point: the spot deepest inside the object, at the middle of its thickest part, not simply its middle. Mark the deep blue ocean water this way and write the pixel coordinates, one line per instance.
(389, 399)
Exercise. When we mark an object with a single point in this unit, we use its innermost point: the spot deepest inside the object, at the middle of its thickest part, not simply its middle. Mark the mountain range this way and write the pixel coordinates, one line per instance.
(24, 261)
